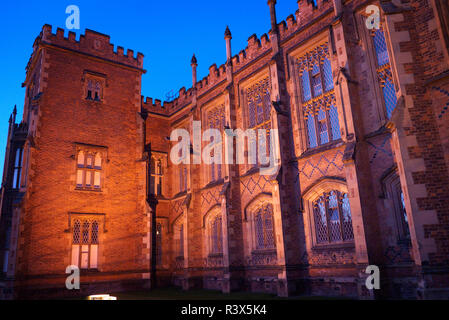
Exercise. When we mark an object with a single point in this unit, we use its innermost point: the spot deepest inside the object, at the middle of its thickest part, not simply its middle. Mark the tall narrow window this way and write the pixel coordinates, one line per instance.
(332, 217)
(216, 120)
(181, 241)
(17, 168)
(393, 192)
(156, 176)
(89, 90)
(405, 232)
(97, 91)
(318, 97)
(264, 227)
(85, 241)
(89, 168)
(258, 100)
(93, 90)
(384, 70)
(184, 179)
(159, 244)
(216, 235)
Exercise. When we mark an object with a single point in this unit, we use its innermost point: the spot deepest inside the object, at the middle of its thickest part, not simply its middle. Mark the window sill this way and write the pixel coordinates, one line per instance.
(322, 148)
(93, 100)
(88, 189)
(337, 245)
(264, 251)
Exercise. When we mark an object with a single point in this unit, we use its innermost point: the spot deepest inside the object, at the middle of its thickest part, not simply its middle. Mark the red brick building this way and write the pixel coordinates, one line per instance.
(363, 151)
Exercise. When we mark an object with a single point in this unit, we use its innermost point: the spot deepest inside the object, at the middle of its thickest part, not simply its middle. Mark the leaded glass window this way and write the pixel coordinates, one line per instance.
(318, 97)
(258, 99)
(216, 235)
(264, 227)
(85, 242)
(332, 218)
(216, 119)
(384, 74)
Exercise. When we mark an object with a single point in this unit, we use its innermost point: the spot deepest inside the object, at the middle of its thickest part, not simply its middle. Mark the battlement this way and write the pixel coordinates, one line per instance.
(307, 12)
(156, 106)
(92, 43)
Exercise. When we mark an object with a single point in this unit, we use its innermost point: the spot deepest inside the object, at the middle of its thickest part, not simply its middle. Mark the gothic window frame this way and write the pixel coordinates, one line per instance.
(88, 171)
(310, 62)
(161, 236)
(179, 232)
(214, 117)
(158, 170)
(17, 171)
(183, 174)
(90, 164)
(180, 175)
(254, 86)
(88, 244)
(381, 74)
(393, 193)
(311, 196)
(94, 86)
(213, 227)
(258, 206)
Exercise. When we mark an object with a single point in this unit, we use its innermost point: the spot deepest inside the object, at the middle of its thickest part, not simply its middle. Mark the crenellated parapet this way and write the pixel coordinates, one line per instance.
(157, 106)
(308, 10)
(91, 43)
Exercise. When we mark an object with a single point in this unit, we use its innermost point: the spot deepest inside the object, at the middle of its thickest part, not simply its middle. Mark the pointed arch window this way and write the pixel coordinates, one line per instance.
(264, 228)
(394, 193)
(179, 240)
(17, 171)
(94, 90)
(383, 69)
(159, 240)
(216, 119)
(258, 101)
(318, 97)
(332, 218)
(216, 234)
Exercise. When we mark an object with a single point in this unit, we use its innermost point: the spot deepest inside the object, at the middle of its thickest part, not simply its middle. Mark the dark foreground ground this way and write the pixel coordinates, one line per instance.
(178, 294)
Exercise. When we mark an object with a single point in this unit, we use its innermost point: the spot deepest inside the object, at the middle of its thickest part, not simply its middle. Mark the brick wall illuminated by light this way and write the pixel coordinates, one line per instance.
(364, 155)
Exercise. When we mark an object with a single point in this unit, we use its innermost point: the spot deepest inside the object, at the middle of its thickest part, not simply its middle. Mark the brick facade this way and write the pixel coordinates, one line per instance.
(363, 162)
